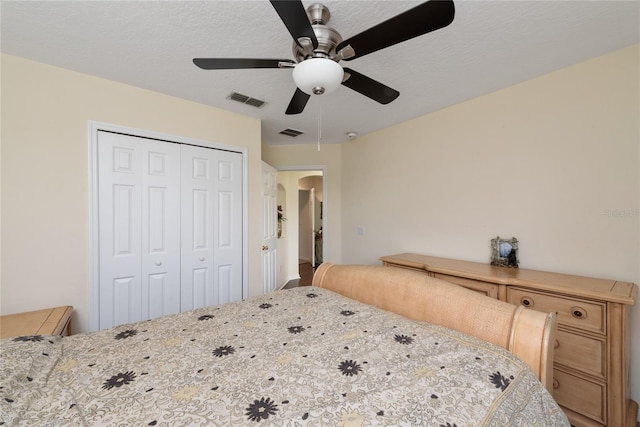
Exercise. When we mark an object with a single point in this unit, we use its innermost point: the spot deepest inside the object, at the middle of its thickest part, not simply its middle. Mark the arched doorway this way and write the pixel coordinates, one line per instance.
(301, 194)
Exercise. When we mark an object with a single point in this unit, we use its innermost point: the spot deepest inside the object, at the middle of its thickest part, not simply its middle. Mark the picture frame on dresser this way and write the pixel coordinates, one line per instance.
(504, 252)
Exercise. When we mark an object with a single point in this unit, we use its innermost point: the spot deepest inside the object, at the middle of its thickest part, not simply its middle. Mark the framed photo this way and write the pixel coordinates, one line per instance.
(504, 252)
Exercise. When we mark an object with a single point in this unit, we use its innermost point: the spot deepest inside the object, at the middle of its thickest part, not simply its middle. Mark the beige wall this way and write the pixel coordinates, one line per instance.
(553, 161)
(328, 159)
(45, 234)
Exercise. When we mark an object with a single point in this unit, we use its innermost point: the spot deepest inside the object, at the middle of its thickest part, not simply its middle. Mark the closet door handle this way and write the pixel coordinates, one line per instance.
(201, 258)
(158, 263)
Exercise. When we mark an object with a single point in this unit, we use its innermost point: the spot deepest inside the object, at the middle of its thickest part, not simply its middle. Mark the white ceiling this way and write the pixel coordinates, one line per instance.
(150, 44)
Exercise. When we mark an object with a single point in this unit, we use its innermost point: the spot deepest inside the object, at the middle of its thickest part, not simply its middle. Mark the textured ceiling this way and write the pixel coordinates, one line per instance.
(150, 44)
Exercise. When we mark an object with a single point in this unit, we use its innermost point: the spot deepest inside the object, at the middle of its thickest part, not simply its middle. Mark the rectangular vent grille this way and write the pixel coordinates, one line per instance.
(291, 132)
(236, 96)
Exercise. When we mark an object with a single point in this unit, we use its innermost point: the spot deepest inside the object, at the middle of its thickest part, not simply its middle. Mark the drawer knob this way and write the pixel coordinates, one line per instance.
(556, 383)
(578, 313)
(556, 344)
(527, 302)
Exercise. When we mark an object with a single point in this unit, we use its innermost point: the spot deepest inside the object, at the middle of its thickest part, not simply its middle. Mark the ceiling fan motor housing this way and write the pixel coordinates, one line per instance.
(328, 38)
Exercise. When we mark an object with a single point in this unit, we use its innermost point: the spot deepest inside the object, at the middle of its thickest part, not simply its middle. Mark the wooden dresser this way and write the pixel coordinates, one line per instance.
(590, 376)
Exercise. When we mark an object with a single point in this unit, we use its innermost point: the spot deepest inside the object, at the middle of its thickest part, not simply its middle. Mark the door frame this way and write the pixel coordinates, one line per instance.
(94, 254)
(325, 195)
(307, 225)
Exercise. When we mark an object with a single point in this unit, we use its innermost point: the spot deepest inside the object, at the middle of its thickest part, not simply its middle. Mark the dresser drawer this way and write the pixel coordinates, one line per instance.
(406, 267)
(486, 288)
(582, 396)
(583, 314)
(585, 354)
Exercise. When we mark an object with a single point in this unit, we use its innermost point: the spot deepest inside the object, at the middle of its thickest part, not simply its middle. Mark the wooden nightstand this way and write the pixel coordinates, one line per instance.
(51, 321)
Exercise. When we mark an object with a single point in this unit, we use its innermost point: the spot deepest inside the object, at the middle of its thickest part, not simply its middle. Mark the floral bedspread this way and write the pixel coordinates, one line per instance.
(304, 356)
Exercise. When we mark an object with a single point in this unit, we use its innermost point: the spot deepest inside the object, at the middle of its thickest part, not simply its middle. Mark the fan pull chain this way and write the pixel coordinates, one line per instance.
(319, 123)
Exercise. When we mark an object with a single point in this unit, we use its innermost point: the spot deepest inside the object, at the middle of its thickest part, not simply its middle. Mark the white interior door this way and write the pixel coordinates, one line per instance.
(139, 197)
(269, 227)
(312, 221)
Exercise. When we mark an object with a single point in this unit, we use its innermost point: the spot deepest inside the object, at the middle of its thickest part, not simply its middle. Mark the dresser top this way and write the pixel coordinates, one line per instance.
(587, 287)
(50, 321)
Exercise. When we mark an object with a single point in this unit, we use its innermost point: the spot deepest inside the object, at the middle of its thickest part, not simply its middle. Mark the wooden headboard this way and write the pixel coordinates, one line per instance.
(526, 333)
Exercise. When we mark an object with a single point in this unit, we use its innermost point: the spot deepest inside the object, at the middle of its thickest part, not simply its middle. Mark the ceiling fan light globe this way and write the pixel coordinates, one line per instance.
(317, 76)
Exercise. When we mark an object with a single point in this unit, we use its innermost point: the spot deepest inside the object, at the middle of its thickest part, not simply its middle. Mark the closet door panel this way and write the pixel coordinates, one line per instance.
(227, 288)
(139, 228)
(161, 228)
(197, 285)
(227, 237)
(212, 214)
(120, 187)
(126, 300)
(159, 292)
(200, 289)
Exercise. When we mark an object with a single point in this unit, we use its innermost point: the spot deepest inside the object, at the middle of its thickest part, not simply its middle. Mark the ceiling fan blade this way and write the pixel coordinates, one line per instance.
(238, 63)
(295, 19)
(298, 102)
(424, 18)
(369, 87)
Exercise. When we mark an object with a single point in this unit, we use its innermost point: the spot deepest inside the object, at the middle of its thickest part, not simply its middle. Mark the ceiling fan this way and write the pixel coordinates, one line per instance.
(318, 49)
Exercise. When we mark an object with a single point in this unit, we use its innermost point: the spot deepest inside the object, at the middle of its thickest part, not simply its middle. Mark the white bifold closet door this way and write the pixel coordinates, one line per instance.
(170, 227)
(211, 227)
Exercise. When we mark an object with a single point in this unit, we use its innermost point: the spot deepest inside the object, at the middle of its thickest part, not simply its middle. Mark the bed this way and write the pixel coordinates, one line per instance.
(364, 345)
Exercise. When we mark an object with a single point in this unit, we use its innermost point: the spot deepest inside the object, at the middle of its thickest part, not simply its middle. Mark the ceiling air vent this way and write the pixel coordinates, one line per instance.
(236, 96)
(291, 132)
